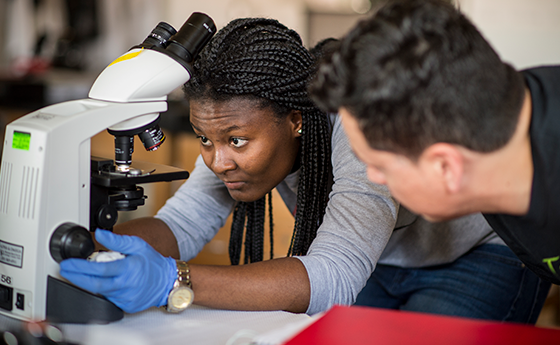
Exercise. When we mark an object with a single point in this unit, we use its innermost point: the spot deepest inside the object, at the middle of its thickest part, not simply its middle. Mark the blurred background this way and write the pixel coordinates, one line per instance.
(52, 50)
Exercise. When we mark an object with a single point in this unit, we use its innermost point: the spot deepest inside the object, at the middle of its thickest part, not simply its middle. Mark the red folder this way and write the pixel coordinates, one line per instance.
(362, 325)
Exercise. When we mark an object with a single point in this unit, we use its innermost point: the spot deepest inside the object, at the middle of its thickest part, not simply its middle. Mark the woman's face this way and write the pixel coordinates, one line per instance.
(245, 145)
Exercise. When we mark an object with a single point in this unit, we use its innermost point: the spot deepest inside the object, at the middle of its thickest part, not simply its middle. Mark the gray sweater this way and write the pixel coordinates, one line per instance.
(363, 226)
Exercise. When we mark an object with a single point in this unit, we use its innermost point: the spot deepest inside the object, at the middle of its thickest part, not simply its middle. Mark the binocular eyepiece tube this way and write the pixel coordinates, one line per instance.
(185, 44)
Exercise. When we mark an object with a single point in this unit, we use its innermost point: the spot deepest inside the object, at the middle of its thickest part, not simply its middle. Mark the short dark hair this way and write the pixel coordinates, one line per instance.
(418, 72)
(263, 60)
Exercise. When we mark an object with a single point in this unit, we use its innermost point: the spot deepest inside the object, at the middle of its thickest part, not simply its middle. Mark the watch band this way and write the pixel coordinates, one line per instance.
(183, 274)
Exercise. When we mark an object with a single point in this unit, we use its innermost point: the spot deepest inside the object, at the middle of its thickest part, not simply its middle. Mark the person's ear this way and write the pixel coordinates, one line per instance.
(296, 122)
(447, 162)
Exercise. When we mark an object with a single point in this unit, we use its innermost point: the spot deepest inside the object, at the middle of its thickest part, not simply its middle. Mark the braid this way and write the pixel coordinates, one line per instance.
(315, 172)
(254, 236)
(237, 226)
(271, 225)
(262, 59)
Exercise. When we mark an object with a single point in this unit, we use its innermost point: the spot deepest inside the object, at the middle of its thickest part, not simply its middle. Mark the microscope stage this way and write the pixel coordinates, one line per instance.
(103, 173)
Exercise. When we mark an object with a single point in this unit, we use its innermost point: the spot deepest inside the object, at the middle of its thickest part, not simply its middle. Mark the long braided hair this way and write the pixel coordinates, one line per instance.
(262, 59)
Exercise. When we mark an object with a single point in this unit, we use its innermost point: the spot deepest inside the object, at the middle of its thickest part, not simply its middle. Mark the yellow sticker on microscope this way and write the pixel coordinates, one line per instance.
(128, 56)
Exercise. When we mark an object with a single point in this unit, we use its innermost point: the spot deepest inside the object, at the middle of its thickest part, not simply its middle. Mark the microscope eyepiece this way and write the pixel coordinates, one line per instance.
(192, 36)
(159, 37)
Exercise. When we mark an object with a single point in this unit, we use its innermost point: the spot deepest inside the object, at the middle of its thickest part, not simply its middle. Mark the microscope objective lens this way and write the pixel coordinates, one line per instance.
(152, 138)
(124, 147)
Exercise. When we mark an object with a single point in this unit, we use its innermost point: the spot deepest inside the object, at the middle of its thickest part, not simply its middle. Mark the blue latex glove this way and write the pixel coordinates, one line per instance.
(141, 280)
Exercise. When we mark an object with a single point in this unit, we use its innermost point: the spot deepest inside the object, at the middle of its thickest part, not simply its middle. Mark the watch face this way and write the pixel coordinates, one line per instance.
(181, 298)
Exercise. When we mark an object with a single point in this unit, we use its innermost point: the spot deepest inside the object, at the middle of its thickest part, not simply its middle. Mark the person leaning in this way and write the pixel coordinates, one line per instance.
(449, 127)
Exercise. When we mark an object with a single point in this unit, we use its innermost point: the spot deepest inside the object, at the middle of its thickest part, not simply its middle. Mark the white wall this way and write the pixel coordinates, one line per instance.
(291, 13)
(524, 32)
(128, 22)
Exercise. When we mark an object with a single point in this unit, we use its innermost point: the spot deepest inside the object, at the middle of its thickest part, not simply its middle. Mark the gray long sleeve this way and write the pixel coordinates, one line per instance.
(358, 223)
(197, 210)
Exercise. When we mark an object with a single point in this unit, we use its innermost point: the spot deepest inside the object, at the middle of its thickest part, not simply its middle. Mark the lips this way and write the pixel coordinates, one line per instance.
(234, 185)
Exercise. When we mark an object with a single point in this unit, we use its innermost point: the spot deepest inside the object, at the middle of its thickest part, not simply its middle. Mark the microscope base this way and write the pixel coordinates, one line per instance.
(69, 304)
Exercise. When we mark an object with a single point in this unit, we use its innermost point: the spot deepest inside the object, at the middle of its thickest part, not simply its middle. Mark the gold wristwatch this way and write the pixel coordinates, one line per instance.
(181, 295)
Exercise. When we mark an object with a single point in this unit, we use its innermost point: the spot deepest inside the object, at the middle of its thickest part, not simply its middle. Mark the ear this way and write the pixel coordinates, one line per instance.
(448, 163)
(296, 122)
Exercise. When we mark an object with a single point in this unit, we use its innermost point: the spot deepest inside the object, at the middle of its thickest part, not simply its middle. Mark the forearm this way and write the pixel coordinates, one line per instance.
(279, 284)
(154, 231)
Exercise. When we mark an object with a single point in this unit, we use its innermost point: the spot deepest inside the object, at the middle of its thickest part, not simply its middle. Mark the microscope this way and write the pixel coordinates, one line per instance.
(53, 193)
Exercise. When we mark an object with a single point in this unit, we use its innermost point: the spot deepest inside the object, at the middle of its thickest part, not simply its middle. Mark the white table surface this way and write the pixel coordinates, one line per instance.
(196, 325)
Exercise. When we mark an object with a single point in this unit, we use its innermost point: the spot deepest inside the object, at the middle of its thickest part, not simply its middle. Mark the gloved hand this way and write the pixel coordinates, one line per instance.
(141, 280)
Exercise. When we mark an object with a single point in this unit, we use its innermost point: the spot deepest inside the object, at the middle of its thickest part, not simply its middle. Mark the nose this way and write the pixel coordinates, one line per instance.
(376, 176)
(221, 161)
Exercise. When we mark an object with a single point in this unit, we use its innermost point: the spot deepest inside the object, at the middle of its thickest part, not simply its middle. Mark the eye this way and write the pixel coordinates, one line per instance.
(237, 142)
(204, 141)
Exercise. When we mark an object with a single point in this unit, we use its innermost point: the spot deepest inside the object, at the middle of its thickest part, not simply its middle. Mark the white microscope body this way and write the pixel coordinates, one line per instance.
(45, 176)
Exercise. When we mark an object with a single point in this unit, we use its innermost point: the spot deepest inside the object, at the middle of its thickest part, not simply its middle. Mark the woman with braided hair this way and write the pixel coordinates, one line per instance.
(265, 66)
(258, 131)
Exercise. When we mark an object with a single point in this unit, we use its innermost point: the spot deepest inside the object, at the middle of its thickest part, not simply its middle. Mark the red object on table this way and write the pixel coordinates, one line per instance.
(362, 325)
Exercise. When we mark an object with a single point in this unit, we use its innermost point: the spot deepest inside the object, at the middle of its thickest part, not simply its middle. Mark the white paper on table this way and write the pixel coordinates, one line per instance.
(196, 325)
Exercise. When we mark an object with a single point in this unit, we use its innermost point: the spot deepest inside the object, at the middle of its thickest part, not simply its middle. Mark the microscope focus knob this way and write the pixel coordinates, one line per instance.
(106, 217)
(70, 240)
